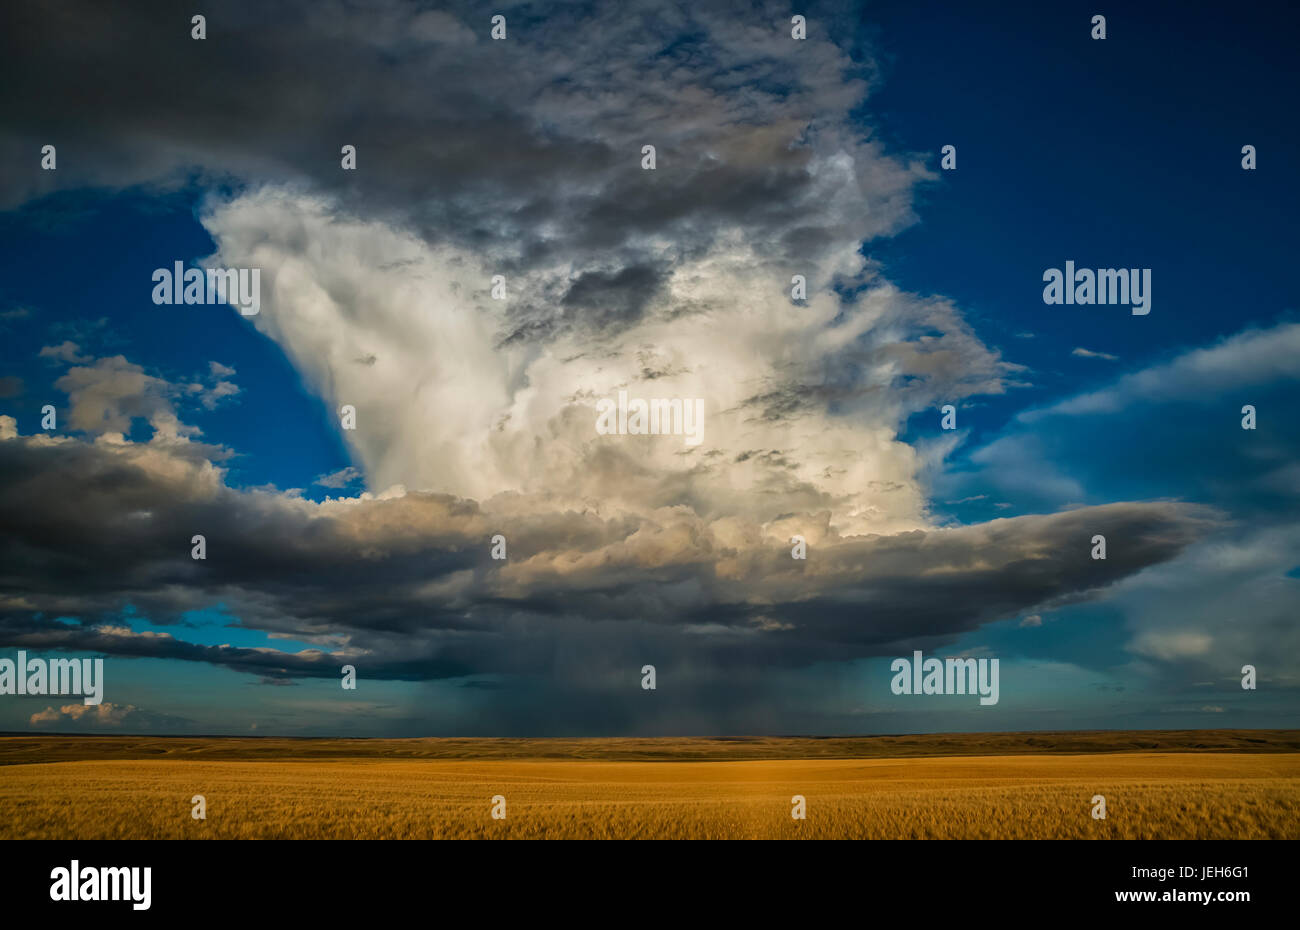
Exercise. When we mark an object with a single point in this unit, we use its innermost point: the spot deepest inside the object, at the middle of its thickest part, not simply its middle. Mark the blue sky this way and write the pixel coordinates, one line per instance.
(1117, 153)
(280, 442)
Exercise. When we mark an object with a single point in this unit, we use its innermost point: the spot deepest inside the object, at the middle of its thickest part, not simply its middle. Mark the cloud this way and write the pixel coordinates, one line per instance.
(115, 716)
(661, 280)
(66, 351)
(1256, 356)
(819, 389)
(1179, 644)
(212, 397)
(105, 397)
(405, 582)
(1174, 430)
(1088, 353)
(751, 128)
(339, 479)
(616, 276)
(475, 416)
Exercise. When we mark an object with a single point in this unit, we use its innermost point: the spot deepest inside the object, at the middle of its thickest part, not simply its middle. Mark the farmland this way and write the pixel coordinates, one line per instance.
(1203, 784)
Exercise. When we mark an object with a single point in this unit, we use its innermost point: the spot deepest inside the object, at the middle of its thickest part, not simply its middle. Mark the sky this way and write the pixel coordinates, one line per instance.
(475, 417)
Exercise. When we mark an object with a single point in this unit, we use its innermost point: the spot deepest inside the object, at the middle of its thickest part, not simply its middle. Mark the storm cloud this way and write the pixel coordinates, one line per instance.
(734, 272)
(403, 585)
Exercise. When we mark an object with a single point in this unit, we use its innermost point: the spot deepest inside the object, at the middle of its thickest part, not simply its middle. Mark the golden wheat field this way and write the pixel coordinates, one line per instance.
(407, 789)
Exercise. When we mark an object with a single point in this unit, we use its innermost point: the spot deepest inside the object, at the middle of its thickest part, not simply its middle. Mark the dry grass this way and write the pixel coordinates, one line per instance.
(1149, 795)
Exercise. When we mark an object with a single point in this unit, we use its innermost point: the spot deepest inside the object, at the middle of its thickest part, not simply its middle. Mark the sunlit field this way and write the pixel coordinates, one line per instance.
(1171, 794)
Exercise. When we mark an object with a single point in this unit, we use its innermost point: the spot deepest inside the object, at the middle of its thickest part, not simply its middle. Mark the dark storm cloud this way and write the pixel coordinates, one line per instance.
(528, 149)
(616, 299)
(404, 587)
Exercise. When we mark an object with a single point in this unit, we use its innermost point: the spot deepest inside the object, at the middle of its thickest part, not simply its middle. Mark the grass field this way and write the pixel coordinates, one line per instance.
(1214, 784)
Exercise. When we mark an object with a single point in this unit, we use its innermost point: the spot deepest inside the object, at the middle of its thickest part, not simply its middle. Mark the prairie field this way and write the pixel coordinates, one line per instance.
(105, 790)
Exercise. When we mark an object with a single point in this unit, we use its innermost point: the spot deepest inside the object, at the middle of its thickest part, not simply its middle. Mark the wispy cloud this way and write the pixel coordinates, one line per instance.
(1079, 352)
